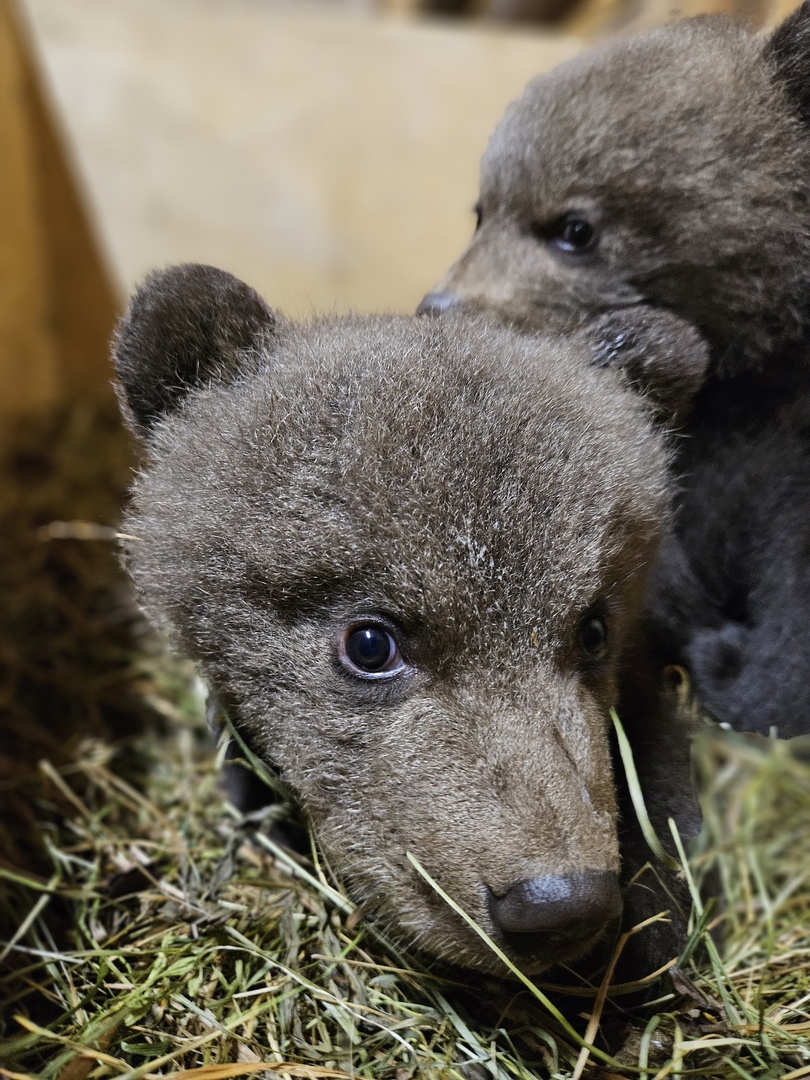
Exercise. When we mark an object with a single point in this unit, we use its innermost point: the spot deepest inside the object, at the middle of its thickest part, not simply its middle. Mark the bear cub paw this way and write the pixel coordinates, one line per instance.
(662, 355)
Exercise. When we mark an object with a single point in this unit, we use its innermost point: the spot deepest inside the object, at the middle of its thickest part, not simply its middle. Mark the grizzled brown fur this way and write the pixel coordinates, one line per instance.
(683, 150)
(477, 494)
(672, 171)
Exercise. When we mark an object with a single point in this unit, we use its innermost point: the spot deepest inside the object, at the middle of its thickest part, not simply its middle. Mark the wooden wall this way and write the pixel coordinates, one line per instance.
(56, 301)
(328, 158)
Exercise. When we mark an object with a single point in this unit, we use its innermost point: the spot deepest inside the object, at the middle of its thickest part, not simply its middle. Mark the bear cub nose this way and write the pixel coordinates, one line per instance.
(436, 303)
(564, 906)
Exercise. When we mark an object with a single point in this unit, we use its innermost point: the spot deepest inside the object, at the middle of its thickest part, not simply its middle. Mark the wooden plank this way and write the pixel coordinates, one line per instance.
(57, 306)
(27, 367)
(84, 304)
(329, 158)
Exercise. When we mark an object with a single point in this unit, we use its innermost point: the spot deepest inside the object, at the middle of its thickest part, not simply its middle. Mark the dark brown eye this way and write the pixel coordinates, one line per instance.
(593, 635)
(368, 650)
(576, 234)
(570, 233)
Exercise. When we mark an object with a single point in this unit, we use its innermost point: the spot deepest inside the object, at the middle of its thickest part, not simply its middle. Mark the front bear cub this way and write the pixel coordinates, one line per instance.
(409, 555)
(672, 171)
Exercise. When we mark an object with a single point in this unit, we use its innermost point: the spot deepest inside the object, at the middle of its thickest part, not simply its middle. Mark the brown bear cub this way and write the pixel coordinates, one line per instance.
(672, 170)
(410, 554)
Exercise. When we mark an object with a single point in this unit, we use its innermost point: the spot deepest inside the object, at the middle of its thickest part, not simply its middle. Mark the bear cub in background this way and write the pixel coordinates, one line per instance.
(409, 555)
(672, 171)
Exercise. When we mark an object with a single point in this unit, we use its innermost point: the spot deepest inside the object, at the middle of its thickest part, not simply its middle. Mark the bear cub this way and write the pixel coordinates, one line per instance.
(409, 555)
(672, 171)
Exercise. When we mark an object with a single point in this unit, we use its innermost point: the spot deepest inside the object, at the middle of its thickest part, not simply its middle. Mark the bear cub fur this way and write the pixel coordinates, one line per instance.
(409, 554)
(672, 170)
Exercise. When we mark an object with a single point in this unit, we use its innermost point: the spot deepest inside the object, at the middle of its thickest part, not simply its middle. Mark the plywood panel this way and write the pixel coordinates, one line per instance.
(56, 303)
(330, 159)
(27, 362)
(83, 304)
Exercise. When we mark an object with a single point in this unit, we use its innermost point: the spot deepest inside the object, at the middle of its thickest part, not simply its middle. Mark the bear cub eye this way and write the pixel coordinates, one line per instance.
(570, 233)
(368, 650)
(593, 636)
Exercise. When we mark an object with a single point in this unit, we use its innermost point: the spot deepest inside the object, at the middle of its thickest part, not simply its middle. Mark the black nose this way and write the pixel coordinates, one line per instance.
(572, 906)
(436, 303)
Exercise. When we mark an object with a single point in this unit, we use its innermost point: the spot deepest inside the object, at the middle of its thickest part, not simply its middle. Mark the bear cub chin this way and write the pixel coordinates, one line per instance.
(409, 555)
(672, 171)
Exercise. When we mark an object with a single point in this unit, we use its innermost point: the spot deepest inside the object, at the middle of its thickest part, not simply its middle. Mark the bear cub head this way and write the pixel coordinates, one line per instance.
(669, 169)
(409, 555)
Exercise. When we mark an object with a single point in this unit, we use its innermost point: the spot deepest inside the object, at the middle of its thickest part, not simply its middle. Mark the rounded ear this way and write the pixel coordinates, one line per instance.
(185, 327)
(788, 52)
(663, 357)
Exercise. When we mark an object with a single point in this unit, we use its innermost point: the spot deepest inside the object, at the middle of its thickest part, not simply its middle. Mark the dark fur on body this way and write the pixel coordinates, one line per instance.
(687, 150)
(478, 493)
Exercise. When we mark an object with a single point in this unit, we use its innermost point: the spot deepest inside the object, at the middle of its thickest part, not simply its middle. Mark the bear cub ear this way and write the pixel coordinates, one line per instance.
(788, 52)
(185, 327)
(662, 356)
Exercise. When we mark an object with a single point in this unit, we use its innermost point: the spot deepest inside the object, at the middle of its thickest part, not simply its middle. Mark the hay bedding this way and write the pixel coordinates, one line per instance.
(150, 931)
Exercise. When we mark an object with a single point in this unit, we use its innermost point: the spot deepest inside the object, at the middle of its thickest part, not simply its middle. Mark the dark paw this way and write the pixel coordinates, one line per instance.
(662, 356)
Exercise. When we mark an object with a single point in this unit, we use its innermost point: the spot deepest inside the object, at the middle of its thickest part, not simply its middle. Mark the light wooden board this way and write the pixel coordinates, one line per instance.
(56, 303)
(27, 363)
(330, 159)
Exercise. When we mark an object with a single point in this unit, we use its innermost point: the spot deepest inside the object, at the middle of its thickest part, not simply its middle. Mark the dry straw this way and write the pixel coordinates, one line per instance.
(201, 948)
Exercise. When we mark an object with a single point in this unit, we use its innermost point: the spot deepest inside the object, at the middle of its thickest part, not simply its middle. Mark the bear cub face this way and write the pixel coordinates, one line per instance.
(409, 554)
(669, 169)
